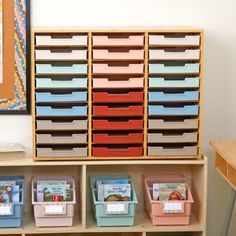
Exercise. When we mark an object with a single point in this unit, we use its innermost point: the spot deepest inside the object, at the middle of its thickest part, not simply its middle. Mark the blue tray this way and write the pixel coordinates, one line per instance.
(166, 97)
(74, 111)
(68, 97)
(50, 83)
(161, 110)
(14, 220)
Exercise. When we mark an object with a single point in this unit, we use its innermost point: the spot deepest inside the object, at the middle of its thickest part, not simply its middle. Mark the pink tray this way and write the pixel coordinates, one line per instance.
(101, 54)
(51, 220)
(130, 83)
(130, 40)
(124, 69)
(155, 208)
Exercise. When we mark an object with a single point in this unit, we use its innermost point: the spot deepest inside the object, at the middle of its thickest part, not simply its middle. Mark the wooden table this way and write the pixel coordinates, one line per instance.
(226, 166)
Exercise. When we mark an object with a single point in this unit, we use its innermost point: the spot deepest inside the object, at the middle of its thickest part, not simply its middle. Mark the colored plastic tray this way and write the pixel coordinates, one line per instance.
(175, 151)
(61, 69)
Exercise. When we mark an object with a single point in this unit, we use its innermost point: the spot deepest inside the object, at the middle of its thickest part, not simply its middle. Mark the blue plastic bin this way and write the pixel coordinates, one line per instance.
(189, 68)
(74, 111)
(162, 83)
(99, 208)
(61, 69)
(50, 83)
(162, 110)
(67, 97)
(169, 97)
(14, 220)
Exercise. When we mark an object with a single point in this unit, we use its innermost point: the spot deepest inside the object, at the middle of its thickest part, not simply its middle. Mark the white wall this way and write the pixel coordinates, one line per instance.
(216, 17)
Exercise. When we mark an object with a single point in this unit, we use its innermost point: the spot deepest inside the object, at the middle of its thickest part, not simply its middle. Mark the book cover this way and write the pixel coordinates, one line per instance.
(5, 194)
(57, 193)
(117, 192)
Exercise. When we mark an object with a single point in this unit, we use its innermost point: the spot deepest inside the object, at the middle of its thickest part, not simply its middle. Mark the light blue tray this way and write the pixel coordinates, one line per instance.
(69, 97)
(71, 69)
(165, 97)
(162, 83)
(15, 220)
(161, 110)
(174, 69)
(99, 208)
(50, 83)
(74, 111)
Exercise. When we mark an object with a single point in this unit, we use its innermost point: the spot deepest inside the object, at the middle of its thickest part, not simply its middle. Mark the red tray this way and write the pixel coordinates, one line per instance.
(112, 152)
(110, 139)
(117, 97)
(117, 125)
(118, 111)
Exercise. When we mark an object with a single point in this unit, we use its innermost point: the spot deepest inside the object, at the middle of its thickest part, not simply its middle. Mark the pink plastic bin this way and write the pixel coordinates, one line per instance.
(154, 209)
(51, 218)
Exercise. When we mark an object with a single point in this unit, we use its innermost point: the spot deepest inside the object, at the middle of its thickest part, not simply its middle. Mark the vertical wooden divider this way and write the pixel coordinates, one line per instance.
(83, 195)
(89, 94)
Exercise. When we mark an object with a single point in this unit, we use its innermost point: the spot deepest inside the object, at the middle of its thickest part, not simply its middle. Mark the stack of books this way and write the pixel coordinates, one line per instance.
(9, 192)
(11, 151)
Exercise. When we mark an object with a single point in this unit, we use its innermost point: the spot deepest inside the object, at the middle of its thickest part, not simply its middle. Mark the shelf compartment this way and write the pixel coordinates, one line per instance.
(131, 124)
(183, 83)
(62, 125)
(61, 139)
(174, 68)
(102, 111)
(117, 138)
(174, 40)
(161, 54)
(61, 68)
(129, 83)
(58, 83)
(49, 111)
(118, 97)
(60, 152)
(105, 68)
(61, 40)
(118, 40)
(61, 97)
(120, 54)
(190, 137)
(163, 110)
(117, 152)
(174, 151)
(173, 97)
(172, 124)
(62, 54)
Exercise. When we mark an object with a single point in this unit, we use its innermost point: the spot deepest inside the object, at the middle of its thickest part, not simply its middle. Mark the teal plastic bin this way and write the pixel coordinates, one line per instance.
(105, 218)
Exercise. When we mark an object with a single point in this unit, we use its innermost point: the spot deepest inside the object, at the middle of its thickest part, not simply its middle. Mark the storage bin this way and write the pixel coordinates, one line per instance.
(59, 40)
(59, 152)
(190, 137)
(125, 97)
(117, 138)
(161, 212)
(117, 152)
(60, 54)
(11, 214)
(173, 97)
(53, 214)
(118, 69)
(61, 139)
(162, 110)
(183, 83)
(62, 125)
(61, 97)
(118, 40)
(61, 68)
(129, 83)
(130, 124)
(173, 68)
(49, 111)
(134, 110)
(188, 54)
(51, 83)
(101, 209)
(173, 151)
(174, 40)
(127, 54)
(173, 124)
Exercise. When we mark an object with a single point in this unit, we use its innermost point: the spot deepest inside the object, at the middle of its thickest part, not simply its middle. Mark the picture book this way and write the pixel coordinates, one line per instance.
(5, 194)
(117, 192)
